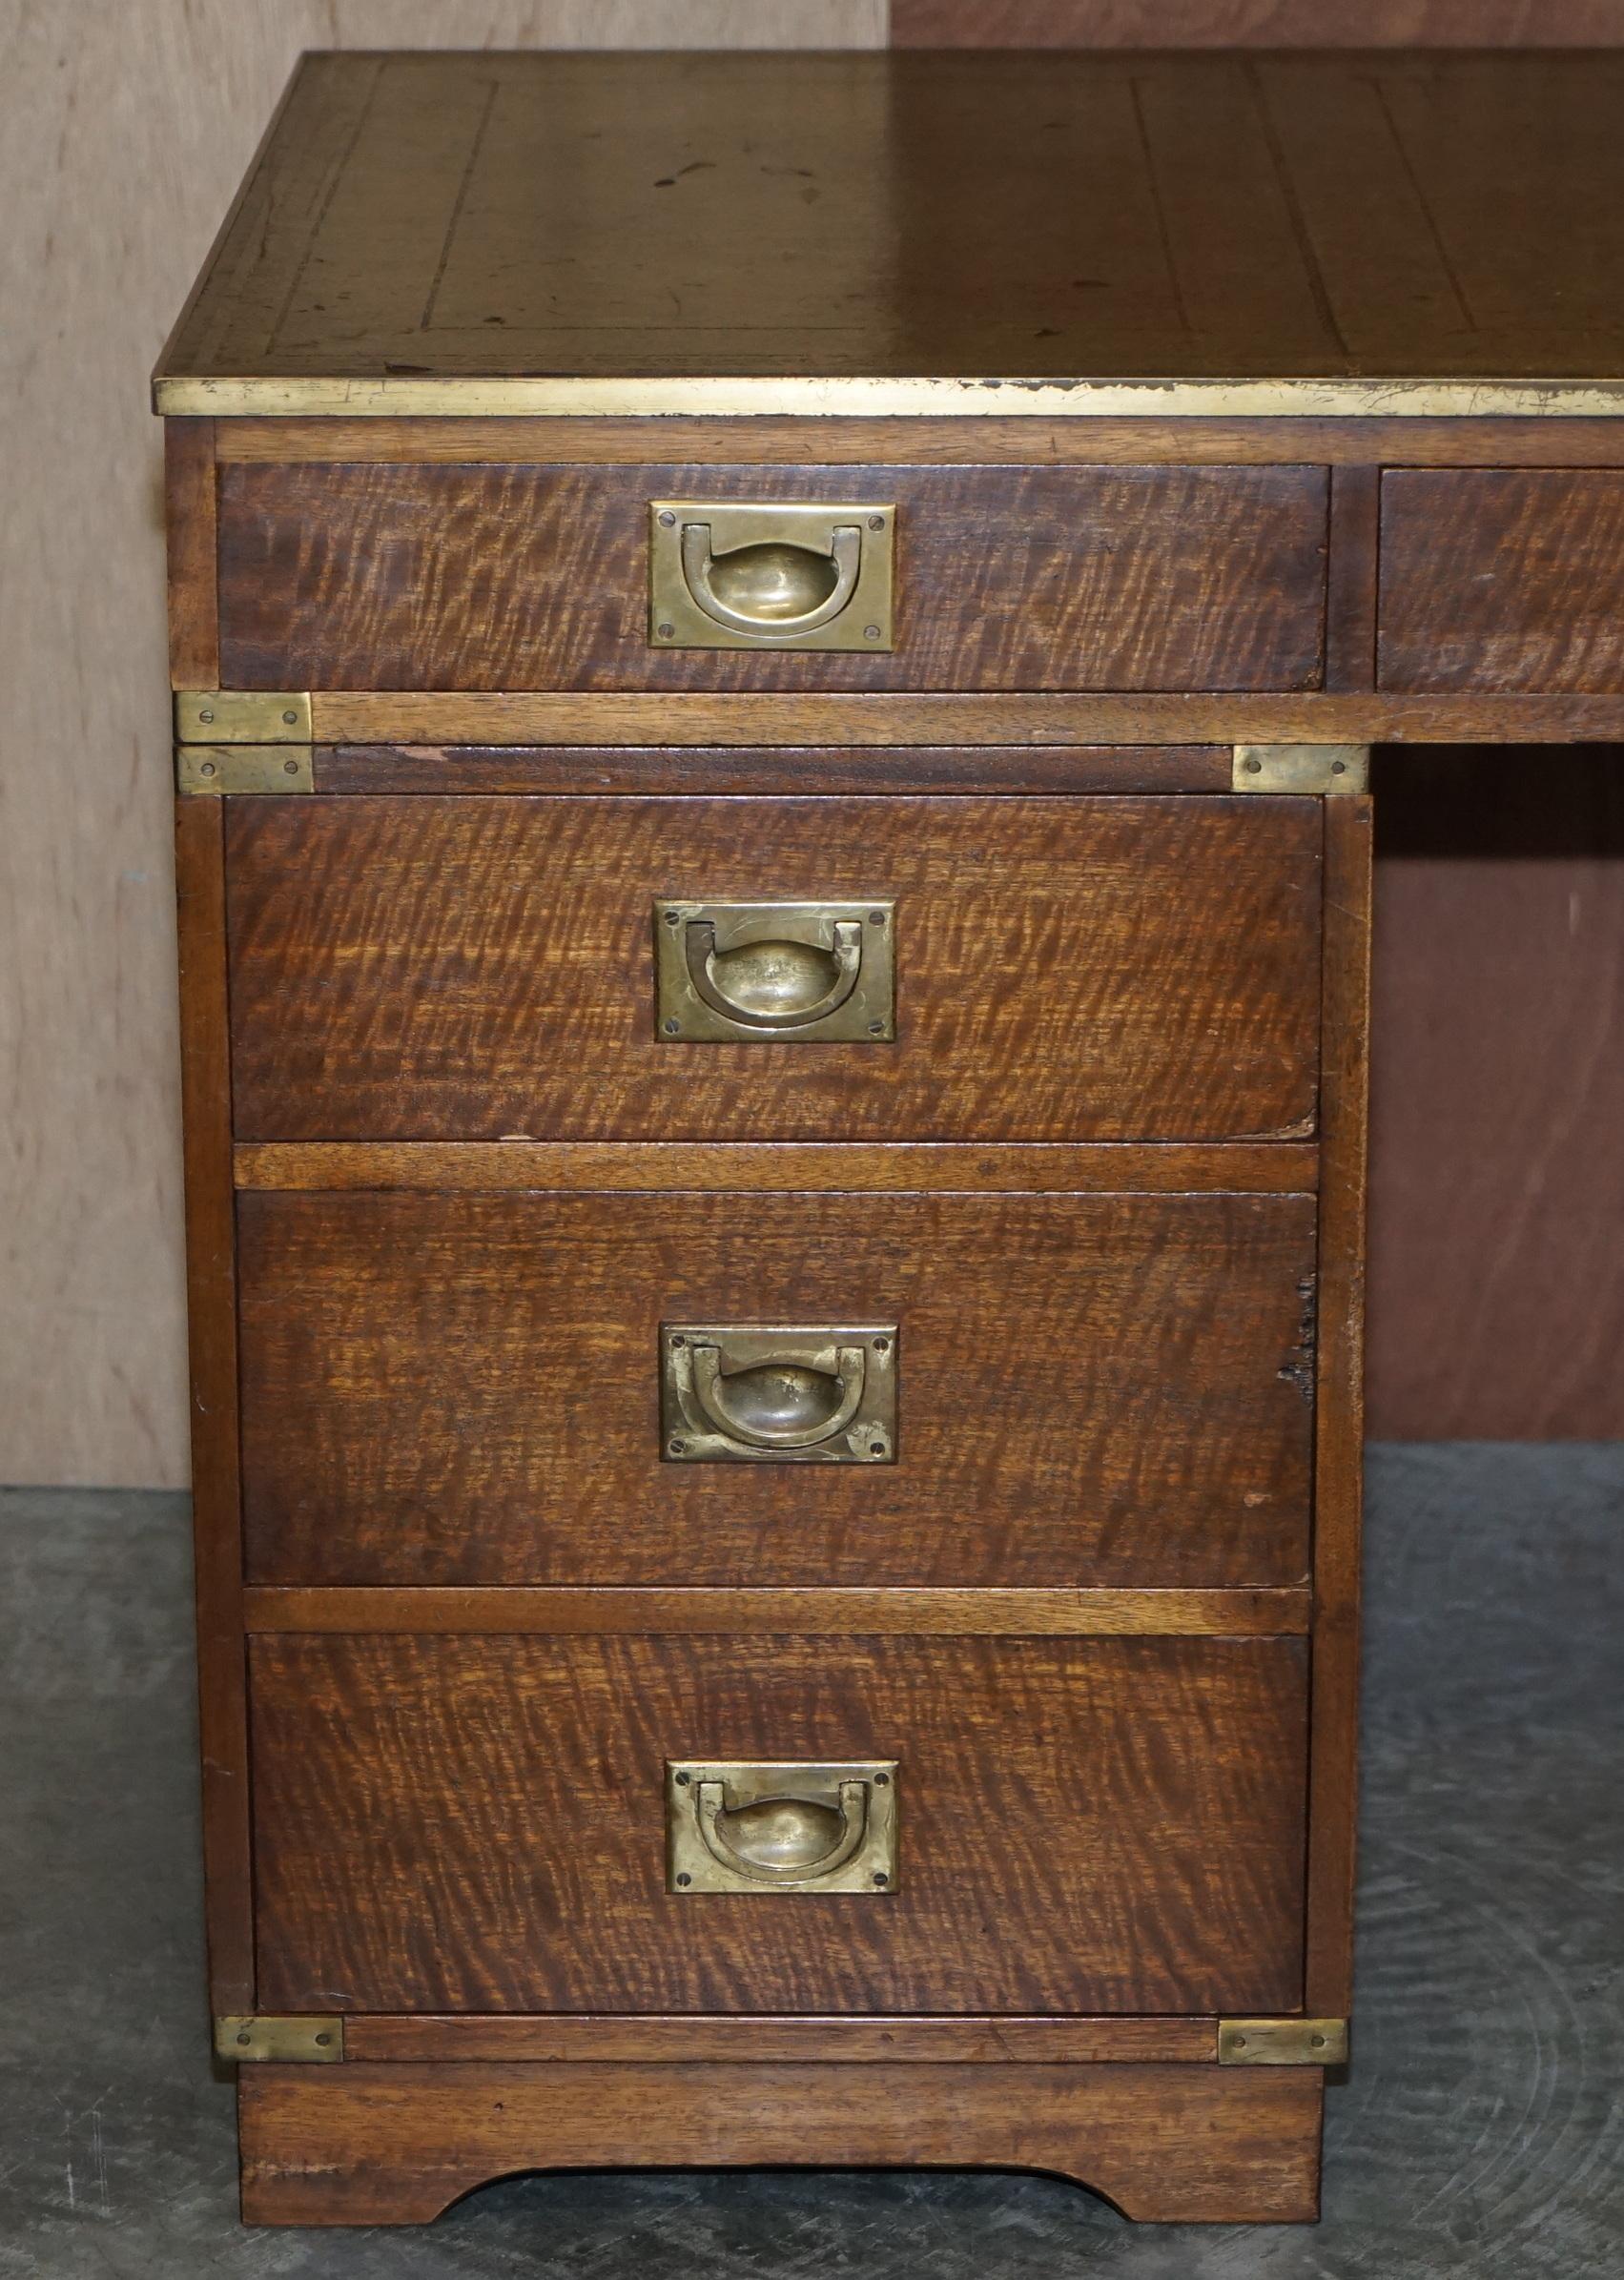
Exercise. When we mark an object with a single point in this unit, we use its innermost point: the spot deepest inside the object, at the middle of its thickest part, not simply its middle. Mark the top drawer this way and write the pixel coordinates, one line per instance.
(1509, 580)
(1058, 969)
(407, 577)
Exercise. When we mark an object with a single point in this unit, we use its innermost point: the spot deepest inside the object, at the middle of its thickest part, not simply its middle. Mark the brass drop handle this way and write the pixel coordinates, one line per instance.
(787, 1404)
(773, 588)
(783, 1840)
(775, 979)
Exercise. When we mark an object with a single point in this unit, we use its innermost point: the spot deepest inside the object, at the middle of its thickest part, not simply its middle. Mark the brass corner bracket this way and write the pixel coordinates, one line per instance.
(314, 2041)
(240, 768)
(1283, 2041)
(242, 716)
(1303, 769)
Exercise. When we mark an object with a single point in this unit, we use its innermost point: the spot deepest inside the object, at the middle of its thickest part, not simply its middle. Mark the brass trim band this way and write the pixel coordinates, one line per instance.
(779, 395)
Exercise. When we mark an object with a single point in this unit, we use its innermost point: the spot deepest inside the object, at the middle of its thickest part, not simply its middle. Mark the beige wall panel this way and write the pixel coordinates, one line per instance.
(125, 129)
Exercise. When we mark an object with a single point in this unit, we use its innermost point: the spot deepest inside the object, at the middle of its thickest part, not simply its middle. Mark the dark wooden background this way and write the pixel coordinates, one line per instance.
(1497, 1175)
(1255, 23)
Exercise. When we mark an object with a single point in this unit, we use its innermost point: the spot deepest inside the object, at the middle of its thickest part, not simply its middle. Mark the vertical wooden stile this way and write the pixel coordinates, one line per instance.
(210, 1291)
(1334, 1696)
(188, 530)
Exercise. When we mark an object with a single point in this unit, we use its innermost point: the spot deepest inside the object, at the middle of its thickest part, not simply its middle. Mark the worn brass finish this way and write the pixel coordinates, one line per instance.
(834, 397)
(1282, 2041)
(734, 1827)
(243, 768)
(241, 716)
(819, 972)
(288, 2042)
(778, 1393)
(1302, 768)
(724, 575)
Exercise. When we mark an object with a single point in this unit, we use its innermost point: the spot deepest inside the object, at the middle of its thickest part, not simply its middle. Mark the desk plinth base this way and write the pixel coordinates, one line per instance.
(396, 2143)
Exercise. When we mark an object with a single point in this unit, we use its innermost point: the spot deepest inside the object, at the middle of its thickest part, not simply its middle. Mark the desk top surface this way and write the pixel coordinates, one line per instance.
(984, 233)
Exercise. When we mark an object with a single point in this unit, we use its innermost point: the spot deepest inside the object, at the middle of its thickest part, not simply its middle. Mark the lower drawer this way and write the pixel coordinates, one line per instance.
(1083, 1825)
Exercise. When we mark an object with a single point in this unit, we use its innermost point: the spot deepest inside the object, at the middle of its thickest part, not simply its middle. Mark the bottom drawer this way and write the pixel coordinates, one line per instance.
(1083, 1825)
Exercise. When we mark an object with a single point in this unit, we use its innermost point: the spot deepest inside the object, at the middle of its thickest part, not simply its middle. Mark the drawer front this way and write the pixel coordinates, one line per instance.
(1065, 968)
(353, 576)
(1503, 580)
(467, 1390)
(1083, 1826)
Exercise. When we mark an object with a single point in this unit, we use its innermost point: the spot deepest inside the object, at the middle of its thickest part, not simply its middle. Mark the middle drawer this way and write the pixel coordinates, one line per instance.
(466, 968)
(1105, 1390)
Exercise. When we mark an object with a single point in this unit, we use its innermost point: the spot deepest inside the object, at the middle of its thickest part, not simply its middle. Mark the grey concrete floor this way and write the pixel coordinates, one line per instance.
(1481, 2129)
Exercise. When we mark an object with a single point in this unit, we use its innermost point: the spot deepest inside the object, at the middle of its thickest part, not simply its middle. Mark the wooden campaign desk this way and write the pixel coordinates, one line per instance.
(774, 660)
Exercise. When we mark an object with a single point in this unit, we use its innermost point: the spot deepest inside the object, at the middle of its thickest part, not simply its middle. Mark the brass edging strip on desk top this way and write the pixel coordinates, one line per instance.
(785, 1167)
(314, 395)
(845, 1612)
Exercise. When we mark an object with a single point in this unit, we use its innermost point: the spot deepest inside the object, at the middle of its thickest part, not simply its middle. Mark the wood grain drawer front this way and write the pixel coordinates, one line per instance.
(354, 576)
(1067, 969)
(464, 1389)
(1506, 580)
(1084, 1825)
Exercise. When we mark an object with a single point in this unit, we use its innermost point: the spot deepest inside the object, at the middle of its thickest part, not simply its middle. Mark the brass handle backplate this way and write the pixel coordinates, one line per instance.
(787, 1394)
(733, 574)
(768, 1827)
(815, 973)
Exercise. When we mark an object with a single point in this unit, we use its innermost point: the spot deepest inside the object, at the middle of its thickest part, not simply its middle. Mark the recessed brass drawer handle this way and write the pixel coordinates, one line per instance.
(821, 972)
(789, 1828)
(796, 1394)
(780, 1404)
(770, 574)
(773, 587)
(776, 981)
(783, 1840)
